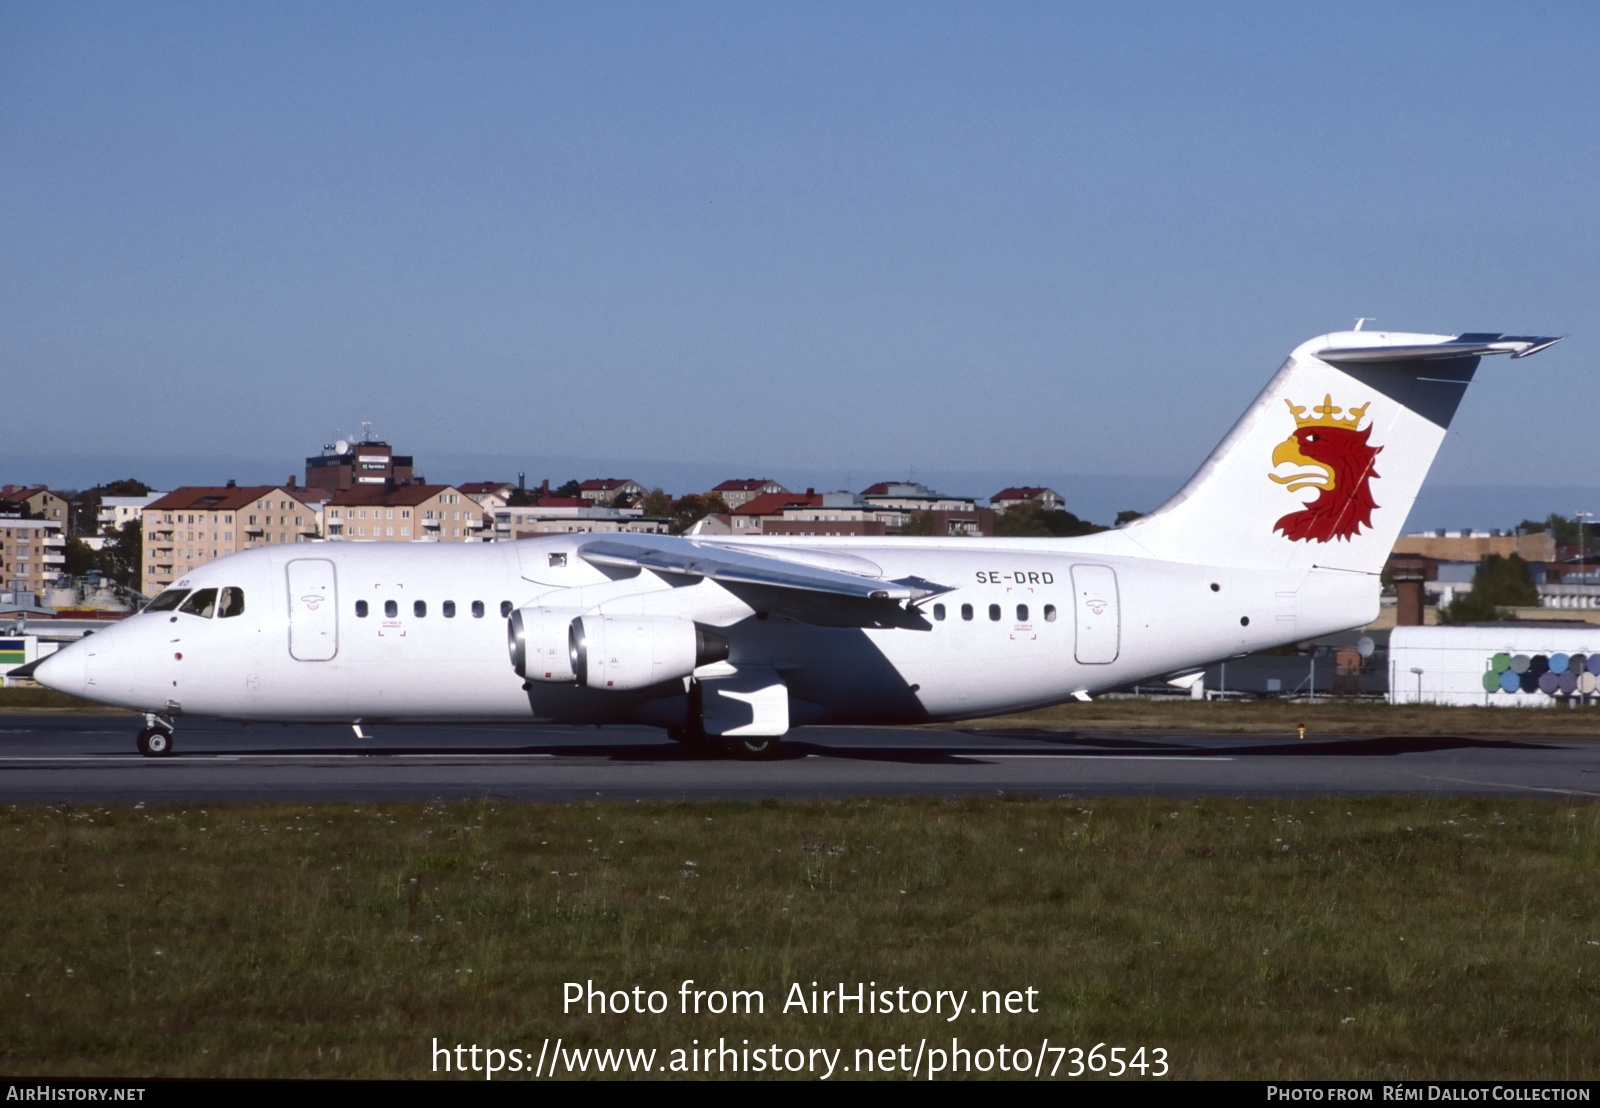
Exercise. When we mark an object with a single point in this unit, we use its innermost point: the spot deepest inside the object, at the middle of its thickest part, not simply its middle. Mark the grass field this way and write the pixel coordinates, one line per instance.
(22, 698)
(1392, 938)
(1281, 717)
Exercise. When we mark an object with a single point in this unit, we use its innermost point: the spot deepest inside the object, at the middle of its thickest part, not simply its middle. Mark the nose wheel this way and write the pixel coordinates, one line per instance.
(155, 741)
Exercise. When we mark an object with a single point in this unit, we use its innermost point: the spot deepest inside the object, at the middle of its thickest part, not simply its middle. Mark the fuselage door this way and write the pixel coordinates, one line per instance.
(1094, 594)
(313, 610)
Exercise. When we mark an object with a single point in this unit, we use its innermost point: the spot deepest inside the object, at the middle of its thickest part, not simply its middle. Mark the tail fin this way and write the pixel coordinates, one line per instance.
(1324, 467)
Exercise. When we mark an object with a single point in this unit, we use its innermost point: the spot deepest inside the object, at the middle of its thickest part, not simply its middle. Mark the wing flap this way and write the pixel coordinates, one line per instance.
(690, 559)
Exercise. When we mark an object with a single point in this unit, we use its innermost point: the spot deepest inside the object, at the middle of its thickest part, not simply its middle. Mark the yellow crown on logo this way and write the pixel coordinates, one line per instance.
(1327, 414)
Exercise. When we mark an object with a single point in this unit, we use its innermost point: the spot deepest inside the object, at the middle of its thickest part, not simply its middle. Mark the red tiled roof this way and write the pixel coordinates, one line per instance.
(1021, 493)
(16, 494)
(771, 503)
(219, 498)
(605, 483)
(742, 484)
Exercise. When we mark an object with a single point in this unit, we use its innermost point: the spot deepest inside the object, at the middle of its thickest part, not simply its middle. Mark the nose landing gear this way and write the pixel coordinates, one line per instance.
(155, 741)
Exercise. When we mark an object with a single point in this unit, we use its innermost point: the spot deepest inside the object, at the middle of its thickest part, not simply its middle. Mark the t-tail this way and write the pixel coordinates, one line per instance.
(1323, 468)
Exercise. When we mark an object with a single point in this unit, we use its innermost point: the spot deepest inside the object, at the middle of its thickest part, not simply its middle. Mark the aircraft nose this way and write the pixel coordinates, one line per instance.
(65, 671)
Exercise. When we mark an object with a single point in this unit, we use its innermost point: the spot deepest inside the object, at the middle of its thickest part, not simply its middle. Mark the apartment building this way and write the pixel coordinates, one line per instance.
(741, 490)
(196, 524)
(608, 490)
(116, 511)
(31, 553)
(1468, 545)
(1048, 499)
(555, 515)
(750, 517)
(828, 513)
(410, 513)
(35, 499)
(490, 495)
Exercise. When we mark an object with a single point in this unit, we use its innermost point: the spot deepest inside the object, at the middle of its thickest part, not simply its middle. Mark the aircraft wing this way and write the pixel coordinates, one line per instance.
(691, 559)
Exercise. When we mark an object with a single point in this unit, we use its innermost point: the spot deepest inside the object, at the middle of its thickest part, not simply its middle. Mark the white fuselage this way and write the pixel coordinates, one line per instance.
(1045, 620)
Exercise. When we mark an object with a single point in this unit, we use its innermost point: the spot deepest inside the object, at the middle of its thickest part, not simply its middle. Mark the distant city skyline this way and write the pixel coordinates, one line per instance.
(1097, 498)
(988, 244)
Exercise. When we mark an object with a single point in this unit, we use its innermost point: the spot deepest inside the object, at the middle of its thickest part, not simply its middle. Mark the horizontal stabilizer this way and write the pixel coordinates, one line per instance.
(680, 556)
(1462, 346)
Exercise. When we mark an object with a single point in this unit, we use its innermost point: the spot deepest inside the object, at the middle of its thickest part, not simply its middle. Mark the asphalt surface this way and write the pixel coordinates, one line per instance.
(46, 759)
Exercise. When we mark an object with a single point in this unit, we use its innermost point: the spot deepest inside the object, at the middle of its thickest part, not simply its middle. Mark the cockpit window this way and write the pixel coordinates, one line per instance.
(202, 604)
(168, 600)
(231, 604)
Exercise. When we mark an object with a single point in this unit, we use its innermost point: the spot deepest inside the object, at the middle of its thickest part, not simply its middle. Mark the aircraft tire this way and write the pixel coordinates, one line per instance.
(755, 749)
(155, 742)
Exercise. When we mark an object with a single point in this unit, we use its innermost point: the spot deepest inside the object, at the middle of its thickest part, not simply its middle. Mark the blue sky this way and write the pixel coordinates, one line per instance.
(830, 243)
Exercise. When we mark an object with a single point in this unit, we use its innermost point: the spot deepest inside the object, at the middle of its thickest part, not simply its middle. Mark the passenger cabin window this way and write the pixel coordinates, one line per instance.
(419, 608)
(1022, 613)
(202, 604)
(1049, 613)
(505, 608)
(231, 604)
(994, 612)
(361, 609)
(477, 609)
(938, 612)
(448, 609)
(168, 600)
(966, 611)
(390, 609)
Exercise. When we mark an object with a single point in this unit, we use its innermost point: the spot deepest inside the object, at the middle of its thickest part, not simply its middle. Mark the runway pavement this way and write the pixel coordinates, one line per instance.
(47, 759)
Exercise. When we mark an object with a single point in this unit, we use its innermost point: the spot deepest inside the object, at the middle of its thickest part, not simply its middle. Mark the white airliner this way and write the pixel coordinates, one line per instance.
(1280, 536)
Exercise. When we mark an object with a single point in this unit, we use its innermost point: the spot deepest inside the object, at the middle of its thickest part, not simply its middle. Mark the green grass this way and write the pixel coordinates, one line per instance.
(1324, 716)
(36, 698)
(1377, 938)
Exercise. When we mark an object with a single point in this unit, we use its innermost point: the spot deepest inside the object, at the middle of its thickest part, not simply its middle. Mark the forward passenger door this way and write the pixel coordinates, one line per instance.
(313, 610)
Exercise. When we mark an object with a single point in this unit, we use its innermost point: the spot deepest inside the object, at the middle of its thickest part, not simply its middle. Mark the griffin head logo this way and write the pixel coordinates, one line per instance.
(1335, 458)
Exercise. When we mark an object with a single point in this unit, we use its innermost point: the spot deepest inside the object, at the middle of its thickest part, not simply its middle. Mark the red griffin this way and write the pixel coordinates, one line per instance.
(1340, 464)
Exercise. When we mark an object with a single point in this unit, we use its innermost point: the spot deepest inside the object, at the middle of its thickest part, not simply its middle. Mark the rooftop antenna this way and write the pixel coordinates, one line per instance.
(1364, 319)
(366, 428)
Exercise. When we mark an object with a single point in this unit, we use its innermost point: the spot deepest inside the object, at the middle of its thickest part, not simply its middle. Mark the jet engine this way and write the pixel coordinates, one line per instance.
(632, 652)
(540, 643)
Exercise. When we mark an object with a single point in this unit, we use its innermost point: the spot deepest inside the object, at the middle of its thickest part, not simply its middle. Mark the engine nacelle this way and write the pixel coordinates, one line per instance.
(632, 652)
(540, 643)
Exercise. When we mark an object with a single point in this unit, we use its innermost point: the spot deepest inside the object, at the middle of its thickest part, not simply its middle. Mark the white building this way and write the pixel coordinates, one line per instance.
(1512, 665)
(115, 511)
(568, 516)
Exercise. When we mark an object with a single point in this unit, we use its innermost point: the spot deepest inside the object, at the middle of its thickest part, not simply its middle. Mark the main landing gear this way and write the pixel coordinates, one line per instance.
(753, 748)
(155, 741)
